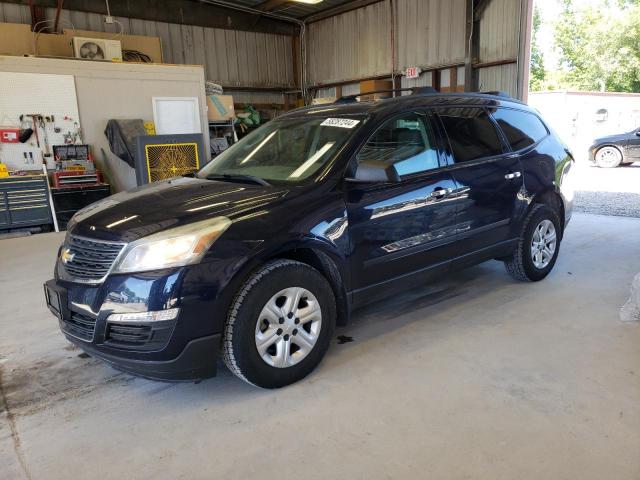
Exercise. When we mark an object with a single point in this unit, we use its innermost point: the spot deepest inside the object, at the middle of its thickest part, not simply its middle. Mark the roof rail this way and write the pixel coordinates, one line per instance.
(497, 93)
(413, 90)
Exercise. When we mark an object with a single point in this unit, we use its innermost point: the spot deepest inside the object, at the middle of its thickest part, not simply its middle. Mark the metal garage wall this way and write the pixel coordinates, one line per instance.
(499, 29)
(230, 57)
(503, 78)
(357, 44)
(430, 33)
(350, 46)
(499, 42)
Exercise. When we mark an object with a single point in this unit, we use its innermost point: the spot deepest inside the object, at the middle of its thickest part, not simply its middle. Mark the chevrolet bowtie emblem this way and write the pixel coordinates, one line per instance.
(66, 256)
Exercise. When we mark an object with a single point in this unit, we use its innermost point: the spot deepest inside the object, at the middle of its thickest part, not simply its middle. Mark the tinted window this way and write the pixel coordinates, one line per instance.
(521, 128)
(405, 142)
(471, 133)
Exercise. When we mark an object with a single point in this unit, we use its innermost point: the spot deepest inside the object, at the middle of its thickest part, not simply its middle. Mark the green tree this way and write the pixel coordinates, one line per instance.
(538, 72)
(598, 46)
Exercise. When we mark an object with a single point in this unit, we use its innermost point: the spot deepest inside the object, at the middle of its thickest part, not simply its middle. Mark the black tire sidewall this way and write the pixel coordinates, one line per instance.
(246, 355)
(541, 213)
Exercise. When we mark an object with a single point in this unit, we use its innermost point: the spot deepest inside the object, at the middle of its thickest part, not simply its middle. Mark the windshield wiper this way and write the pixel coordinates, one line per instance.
(238, 178)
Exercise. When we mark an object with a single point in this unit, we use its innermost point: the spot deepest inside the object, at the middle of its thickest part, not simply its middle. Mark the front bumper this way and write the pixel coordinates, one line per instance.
(197, 361)
(185, 348)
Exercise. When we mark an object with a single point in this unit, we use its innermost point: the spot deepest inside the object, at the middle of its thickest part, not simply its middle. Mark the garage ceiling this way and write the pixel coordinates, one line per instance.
(297, 10)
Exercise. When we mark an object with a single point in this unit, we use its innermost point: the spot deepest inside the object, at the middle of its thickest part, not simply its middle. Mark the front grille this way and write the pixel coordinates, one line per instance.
(90, 259)
(80, 326)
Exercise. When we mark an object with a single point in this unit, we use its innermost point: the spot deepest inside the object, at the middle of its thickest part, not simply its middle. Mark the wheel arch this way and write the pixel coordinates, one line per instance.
(325, 264)
(553, 199)
(315, 254)
(619, 148)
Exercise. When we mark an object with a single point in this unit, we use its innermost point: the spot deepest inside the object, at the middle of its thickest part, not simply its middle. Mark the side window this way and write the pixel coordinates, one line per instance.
(522, 129)
(471, 133)
(406, 142)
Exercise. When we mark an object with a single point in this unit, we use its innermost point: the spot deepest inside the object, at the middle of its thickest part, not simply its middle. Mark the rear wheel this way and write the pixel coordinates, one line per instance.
(280, 324)
(538, 246)
(608, 157)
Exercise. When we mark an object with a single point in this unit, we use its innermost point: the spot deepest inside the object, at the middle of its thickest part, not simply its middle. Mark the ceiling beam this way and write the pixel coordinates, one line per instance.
(344, 8)
(186, 12)
(270, 5)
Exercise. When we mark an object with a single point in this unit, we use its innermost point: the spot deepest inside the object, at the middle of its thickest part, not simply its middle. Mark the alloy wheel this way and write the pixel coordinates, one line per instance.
(543, 244)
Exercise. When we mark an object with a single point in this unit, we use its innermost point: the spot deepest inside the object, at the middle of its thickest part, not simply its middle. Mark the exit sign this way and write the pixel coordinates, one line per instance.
(412, 72)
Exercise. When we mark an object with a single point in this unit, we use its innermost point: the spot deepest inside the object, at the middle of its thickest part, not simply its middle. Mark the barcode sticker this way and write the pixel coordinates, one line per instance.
(340, 122)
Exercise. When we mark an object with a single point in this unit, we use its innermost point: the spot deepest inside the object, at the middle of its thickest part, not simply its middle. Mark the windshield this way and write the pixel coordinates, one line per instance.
(287, 150)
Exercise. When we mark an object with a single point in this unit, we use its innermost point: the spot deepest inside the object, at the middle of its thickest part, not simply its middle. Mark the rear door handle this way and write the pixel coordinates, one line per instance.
(512, 175)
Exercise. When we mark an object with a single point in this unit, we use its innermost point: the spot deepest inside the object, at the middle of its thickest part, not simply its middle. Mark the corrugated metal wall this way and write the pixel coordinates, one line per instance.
(499, 41)
(350, 46)
(499, 31)
(430, 32)
(353, 45)
(357, 44)
(232, 58)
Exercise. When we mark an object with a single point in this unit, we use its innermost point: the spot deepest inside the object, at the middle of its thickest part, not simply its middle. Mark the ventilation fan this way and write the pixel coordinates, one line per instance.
(97, 49)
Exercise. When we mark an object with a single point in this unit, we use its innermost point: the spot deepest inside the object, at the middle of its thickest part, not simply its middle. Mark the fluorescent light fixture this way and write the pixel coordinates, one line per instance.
(313, 159)
(309, 2)
(158, 316)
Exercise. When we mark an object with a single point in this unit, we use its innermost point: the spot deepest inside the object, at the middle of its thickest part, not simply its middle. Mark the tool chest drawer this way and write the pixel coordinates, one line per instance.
(24, 202)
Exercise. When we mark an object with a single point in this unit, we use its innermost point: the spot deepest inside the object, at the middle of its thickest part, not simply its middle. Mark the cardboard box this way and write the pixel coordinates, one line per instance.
(16, 39)
(220, 108)
(375, 85)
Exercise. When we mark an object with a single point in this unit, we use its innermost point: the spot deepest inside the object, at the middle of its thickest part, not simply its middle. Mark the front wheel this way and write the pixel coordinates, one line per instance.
(280, 324)
(538, 246)
(608, 157)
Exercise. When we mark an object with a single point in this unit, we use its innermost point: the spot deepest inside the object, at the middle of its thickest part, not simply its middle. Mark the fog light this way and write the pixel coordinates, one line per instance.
(159, 316)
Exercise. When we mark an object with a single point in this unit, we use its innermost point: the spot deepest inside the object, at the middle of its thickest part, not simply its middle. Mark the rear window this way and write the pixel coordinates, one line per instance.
(471, 133)
(522, 129)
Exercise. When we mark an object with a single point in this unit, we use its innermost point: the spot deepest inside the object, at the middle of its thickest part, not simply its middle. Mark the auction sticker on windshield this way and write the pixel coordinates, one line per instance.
(340, 122)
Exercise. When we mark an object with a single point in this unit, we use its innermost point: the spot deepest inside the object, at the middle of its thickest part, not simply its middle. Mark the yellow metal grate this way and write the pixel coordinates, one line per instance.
(171, 160)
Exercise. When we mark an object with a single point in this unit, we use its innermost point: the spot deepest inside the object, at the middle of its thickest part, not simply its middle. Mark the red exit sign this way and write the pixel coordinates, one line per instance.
(412, 72)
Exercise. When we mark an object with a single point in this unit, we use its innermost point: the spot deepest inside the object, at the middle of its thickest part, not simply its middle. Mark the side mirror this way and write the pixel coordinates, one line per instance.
(638, 133)
(371, 171)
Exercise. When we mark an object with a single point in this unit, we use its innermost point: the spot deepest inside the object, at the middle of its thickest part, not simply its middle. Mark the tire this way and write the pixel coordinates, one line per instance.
(258, 314)
(523, 265)
(608, 157)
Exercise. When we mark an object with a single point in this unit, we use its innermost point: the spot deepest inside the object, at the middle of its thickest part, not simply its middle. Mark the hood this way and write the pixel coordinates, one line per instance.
(618, 138)
(145, 210)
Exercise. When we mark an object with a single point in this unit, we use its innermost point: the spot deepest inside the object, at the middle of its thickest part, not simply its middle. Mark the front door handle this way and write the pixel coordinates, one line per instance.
(440, 192)
(512, 175)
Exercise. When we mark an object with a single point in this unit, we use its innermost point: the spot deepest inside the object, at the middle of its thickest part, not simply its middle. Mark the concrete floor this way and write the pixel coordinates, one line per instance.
(478, 377)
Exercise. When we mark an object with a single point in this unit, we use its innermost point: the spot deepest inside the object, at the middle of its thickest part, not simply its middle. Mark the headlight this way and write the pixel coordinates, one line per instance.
(172, 248)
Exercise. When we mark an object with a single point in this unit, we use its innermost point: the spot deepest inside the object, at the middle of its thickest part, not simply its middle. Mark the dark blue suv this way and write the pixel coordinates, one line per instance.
(271, 245)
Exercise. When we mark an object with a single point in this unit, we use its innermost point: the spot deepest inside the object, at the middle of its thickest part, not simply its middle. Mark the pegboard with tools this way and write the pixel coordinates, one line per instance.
(44, 109)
